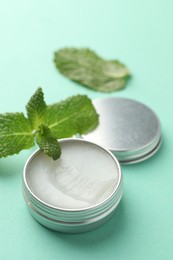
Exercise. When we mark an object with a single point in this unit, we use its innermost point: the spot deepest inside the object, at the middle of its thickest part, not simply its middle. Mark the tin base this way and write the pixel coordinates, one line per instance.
(64, 227)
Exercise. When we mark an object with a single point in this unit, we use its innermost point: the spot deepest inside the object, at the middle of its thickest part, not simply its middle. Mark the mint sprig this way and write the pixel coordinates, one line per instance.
(36, 108)
(74, 115)
(15, 133)
(47, 142)
(85, 67)
(45, 124)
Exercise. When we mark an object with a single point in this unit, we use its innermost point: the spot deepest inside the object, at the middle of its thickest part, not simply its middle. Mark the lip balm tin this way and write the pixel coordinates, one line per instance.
(129, 129)
(76, 193)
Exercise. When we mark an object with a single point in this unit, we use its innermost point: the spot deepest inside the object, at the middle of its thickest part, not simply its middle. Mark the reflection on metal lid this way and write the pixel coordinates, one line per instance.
(128, 128)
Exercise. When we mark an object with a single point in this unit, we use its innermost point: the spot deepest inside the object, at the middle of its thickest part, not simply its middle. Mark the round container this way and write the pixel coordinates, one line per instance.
(129, 129)
(76, 193)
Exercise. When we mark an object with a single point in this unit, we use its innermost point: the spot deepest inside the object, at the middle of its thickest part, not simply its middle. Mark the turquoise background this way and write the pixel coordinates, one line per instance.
(138, 33)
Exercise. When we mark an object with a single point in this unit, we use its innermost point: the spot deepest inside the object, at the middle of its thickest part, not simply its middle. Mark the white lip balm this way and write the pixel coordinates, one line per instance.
(75, 193)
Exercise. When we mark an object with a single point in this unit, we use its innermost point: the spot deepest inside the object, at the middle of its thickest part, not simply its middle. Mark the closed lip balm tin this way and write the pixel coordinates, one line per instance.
(76, 193)
(129, 129)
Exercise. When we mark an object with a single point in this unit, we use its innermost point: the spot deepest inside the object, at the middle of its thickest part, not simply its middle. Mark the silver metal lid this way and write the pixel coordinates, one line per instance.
(128, 128)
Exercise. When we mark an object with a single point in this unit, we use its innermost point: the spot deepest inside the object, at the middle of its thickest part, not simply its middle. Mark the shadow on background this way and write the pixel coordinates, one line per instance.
(13, 165)
(114, 228)
(10, 166)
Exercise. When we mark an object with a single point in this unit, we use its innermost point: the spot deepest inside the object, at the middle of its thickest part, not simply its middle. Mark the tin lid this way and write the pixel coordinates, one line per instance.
(128, 128)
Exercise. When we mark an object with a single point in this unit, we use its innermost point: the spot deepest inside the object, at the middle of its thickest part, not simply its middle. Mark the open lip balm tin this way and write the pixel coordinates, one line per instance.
(76, 193)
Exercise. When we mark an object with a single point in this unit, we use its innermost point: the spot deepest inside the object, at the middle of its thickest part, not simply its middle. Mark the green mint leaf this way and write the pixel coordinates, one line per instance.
(47, 142)
(75, 115)
(46, 123)
(15, 134)
(36, 108)
(87, 68)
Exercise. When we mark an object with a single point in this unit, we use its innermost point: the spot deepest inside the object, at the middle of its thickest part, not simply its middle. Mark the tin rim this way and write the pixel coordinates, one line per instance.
(142, 158)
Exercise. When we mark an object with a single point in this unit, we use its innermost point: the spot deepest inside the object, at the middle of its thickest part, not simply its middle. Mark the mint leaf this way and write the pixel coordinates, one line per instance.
(46, 124)
(87, 68)
(47, 142)
(36, 108)
(74, 115)
(15, 134)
